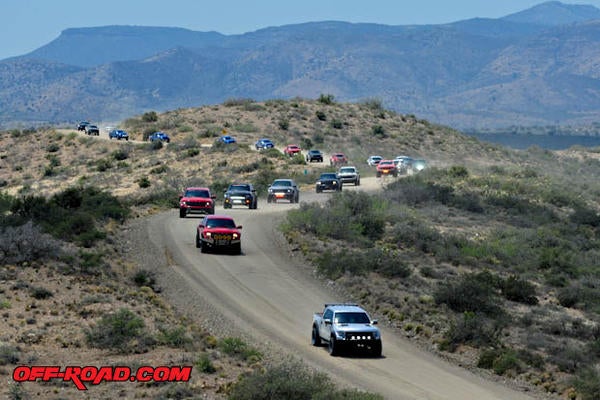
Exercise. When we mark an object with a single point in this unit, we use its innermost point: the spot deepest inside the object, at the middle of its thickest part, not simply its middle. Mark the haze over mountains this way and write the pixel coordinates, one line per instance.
(540, 66)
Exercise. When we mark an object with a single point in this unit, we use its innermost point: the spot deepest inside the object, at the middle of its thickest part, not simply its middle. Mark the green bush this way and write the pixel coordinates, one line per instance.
(9, 354)
(236, 347)
(292, 380)
(150, 116)
(204, 364)
(471, 293)
(353, 216)
(175, 336)
(41, 293)
(587, 383)
(321, 116)
(123, 331)
(473, 329)
(326, 99)
(519, 290)
(388, 264)
(144, 277)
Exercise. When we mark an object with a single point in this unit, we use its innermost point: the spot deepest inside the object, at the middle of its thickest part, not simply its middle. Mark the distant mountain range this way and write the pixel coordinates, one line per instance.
(540, 66)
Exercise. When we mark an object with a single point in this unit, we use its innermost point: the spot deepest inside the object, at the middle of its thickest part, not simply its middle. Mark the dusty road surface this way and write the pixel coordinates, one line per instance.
(269, 295)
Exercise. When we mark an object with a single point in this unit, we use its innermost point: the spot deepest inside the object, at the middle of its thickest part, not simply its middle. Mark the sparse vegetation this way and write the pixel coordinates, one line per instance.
(498, 257)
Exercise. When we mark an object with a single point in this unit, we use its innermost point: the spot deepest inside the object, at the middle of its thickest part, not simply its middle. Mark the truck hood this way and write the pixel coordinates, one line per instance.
(186, 199)
(356, 328)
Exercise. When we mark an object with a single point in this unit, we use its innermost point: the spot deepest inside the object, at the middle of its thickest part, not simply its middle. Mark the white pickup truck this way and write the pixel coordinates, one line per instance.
(346, 327)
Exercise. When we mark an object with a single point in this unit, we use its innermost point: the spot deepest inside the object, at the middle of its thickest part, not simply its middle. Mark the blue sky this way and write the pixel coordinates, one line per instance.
(29, 24)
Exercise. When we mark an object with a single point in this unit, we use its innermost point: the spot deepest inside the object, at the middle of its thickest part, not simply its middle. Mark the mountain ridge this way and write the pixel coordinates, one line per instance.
(467, 74)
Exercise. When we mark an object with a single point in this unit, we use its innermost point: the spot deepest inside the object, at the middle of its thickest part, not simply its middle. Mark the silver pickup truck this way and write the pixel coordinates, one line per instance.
(346, 327)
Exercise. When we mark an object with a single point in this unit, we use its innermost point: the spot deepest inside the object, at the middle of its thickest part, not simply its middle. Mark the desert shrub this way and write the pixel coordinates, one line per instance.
(175, 336)
(103, 164)
(373, 104)
(585, 216)
(473, 329)
(306, 143)
(297, 159)
(204, 364)
(236, 347)
(502, 360)
(122, 330)
(191, 152)
(573, 296)
(321, 116)
(326, 99)
(292, 380)
(156, 145)
(471, 293)
(379, 131)
(351, 216)
(26, 242)
(161, 169)
(587, 383)
(144, 182)
(52, 148)
(9, 354)
(519, 290)
(334, 265)
(418, 191)
(150, 116)
(284, 124)
(336, 124)
(143, 277)
(120, 154)
(40, 293)
(90, 263)
(458, 171)
(235, 102)
(318, 138)
(569, 358)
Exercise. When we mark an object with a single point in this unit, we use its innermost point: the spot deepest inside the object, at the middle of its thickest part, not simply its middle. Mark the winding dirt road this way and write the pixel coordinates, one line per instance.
(270, 296)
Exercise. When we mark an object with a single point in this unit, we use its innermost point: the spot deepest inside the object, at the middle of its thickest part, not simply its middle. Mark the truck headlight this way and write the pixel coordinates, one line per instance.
(235, 236)
(340, 335)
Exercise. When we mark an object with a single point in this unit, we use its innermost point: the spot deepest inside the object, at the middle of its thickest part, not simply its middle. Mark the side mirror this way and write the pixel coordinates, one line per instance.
(238, 227)
(180, 197)
(200, 226)
(327, 321)
(213, 196)
(374, 322)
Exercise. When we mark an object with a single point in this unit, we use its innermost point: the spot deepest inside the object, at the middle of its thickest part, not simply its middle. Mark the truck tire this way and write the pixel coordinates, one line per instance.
(182, 213)
(376, 349)
(198, 241)
(333, 347)
(237, 249)
(315, 339)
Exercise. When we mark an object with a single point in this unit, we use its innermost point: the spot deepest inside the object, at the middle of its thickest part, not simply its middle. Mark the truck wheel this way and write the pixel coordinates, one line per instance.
(376, 350)
(333, 347)
(182, 213)
(211, 211)
(198, 241)
(237, 248)
(315, 339)
(357, 183)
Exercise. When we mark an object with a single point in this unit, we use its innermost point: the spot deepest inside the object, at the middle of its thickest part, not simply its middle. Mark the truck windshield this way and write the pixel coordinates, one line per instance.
(351, 318)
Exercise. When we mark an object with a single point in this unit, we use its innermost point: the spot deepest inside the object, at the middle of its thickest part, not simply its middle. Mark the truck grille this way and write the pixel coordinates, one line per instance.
(359, 336)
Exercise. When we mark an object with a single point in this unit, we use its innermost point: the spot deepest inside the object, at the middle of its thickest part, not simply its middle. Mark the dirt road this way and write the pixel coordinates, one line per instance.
(271, 296)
